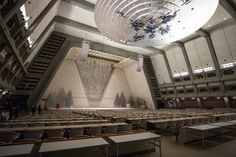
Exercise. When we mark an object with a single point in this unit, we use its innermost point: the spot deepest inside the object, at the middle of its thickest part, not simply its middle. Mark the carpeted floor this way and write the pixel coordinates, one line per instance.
(222, 147)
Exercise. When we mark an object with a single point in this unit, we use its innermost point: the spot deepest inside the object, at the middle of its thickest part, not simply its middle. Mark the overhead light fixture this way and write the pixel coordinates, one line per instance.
(151, 22)
(4, 92)
(85, 50)
(140, 63)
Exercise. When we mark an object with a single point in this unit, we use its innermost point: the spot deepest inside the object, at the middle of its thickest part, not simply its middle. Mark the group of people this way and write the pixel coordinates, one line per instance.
(4, 116)
(35, 109)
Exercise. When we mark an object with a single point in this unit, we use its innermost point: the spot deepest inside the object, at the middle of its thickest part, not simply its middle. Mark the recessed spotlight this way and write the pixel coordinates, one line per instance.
(225, 18)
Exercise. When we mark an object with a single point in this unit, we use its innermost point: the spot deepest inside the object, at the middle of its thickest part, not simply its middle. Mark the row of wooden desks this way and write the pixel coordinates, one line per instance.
(212, 127)
(59, 122)
(17, 129)
(51, 119)
(48, 147)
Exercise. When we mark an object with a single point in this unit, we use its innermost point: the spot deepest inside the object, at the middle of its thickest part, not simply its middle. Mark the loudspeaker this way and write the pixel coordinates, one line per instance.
(85, 50)
(140, 63)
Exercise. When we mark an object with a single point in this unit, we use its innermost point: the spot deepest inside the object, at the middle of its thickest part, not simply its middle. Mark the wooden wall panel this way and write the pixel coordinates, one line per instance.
(213, 103)
(187, 103)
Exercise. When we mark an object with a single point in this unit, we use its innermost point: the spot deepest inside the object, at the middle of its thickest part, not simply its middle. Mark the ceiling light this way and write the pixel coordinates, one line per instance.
(145, 22)
(4, 92)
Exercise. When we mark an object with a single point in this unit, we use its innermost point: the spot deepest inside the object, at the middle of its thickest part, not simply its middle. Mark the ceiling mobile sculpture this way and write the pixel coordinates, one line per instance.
(151, 22)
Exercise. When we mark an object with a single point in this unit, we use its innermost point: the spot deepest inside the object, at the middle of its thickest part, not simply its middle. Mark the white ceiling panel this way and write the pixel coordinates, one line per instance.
(160, 69)
(77, 14)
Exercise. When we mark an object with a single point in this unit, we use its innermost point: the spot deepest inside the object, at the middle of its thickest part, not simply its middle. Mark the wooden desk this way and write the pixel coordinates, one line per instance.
(223, 125)
(203, 129)
(13, 150)
(136, 137)
(73, 144)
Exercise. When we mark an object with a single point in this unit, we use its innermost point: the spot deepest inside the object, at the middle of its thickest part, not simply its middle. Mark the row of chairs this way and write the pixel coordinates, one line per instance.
(57, 134)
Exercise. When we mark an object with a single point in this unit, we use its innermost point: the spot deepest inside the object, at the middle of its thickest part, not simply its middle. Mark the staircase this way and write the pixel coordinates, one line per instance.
(43, 67)
(151, 80)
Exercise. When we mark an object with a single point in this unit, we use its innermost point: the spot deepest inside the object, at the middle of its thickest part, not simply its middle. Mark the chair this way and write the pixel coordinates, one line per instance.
(172, 123)
(124, 128)
(55, 134)
(18, 125)
(109, 130)
(161, 125)
(188, 122)
(195, 121)
(9, 137)
(180, 122)
(33, 135)
(37, 125)
(94, 131)
(76, 132)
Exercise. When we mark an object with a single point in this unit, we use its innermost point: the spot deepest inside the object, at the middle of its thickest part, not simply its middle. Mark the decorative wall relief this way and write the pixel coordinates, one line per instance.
(122, 100)
(117, 101)
(95, 74)
(69, 100)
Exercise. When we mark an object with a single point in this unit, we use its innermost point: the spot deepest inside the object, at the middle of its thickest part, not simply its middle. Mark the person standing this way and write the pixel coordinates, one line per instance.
(39, 110)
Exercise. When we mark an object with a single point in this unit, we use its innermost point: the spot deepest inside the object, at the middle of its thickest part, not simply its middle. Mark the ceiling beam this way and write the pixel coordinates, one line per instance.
(168, 67)
(6, 61)
(36, 22)
(14, 10)
(76, 24)
(187, 61)
(11, 43)
(41, 36)
(228, 7)
(82, 4)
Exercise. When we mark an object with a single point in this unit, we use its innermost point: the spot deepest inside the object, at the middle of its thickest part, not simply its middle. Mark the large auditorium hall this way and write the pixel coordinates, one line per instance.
(117, 78)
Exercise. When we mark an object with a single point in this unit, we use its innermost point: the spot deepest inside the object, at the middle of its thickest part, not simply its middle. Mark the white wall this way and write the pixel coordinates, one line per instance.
(67, 77)
(198, 53)
(224, 44)
(116, 85)
(126, 80)
(160, 69)
(138, 84)
(176, 60)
